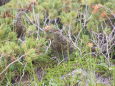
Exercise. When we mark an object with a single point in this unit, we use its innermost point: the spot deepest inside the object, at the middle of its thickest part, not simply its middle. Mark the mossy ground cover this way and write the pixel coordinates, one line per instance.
(89, 24)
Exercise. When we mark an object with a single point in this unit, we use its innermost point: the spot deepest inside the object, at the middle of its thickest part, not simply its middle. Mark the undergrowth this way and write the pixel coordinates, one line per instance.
(30, 62)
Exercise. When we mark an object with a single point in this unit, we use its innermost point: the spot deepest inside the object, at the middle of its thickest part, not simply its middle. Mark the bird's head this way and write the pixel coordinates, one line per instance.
(50, 31)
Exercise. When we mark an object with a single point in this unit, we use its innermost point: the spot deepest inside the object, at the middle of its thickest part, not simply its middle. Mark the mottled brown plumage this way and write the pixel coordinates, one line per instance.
(3, 2)
(19, 26)
(61, 45)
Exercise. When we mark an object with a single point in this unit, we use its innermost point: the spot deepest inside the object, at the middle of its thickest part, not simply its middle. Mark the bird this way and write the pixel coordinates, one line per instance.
(3, 2)
(61, 46)
(19, 26)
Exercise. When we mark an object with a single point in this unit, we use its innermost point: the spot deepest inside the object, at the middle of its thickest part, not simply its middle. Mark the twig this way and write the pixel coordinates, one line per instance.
(48, 46)
(11, 64)
(23, 72)
(29, 20)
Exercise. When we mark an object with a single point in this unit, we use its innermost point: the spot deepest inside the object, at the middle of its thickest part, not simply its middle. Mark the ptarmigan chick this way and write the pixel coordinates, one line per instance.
(3, 2)
(19, 26)
(60, 44)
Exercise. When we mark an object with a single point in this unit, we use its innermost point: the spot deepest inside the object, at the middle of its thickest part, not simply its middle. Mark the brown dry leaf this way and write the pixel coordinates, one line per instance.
(113, 13)
(90, 44)
(47, 28)
(13, 58)
(28, 8)
(96, 8)
(7, 14)
(103, 14)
